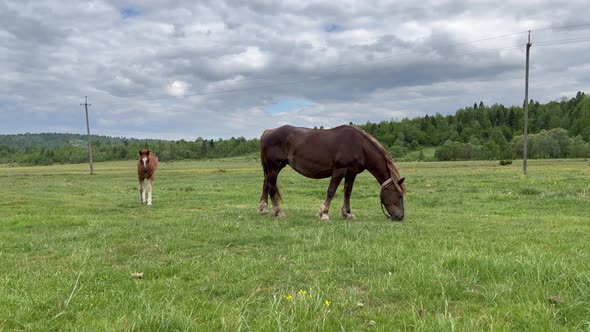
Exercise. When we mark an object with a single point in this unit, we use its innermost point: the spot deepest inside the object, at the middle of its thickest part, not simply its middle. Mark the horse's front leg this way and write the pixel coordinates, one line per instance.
(348, 183)
(337, 176)
(150, 183)
(141, 192)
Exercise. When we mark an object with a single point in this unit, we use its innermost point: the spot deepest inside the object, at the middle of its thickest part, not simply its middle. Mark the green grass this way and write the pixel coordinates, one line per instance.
(428, 153)
(482, 248)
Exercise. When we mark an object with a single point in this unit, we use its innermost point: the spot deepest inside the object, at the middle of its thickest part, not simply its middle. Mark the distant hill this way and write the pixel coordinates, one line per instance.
(52, 140)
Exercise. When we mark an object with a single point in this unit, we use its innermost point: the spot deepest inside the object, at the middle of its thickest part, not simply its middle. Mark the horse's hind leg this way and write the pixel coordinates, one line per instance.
(264, 197)
(273, 190)
(337, 176)
(348, 183)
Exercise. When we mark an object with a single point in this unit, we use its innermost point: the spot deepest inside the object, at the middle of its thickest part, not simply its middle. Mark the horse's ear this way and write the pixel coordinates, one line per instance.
(148, 152)
(400, 181)
(140, 152)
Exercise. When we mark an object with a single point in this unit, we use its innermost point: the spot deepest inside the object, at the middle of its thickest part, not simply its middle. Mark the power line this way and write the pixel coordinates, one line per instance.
(270, 85)
(563, 41)
(373, 60)
(344, 64)
(376, 59)
(563, 27)
(313, 79)
(434, 49)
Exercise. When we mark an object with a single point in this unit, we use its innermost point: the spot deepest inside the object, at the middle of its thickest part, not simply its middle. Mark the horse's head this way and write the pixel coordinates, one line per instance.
(392, 197)
(144, 160)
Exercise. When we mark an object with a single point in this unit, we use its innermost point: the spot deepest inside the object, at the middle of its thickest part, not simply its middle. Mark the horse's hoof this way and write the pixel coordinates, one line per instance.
(324, 217)
(349, 216)
(279, 214)
(263, 208)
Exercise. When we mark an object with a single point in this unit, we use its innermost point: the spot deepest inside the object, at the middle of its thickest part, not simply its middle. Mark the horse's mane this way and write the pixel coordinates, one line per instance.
(391, 167)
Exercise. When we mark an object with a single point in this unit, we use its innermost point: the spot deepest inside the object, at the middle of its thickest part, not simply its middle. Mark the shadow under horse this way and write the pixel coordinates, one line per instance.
(340, 153)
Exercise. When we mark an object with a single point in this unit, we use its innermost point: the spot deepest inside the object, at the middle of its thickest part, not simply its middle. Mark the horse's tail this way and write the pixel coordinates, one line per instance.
(262, 159)
(273, 188)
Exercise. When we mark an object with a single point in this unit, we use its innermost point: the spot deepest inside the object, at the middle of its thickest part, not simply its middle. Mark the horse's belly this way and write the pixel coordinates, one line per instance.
(310, 170)
(315, 174)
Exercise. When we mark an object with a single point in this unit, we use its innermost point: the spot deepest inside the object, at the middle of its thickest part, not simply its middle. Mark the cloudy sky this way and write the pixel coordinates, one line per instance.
(221, 68)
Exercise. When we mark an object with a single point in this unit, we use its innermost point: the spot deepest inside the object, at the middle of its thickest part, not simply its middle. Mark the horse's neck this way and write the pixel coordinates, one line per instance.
(377, 165)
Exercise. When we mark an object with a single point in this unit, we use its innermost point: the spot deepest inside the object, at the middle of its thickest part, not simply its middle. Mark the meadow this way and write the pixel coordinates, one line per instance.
(482, 247)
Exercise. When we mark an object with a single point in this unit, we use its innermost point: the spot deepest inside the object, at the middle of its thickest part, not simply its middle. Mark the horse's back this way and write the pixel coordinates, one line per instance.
(276, 136)
(312, 152)
(300, 135)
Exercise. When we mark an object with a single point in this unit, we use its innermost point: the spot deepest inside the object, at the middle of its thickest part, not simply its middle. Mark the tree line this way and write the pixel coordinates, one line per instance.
(166, 150)
(557, 129)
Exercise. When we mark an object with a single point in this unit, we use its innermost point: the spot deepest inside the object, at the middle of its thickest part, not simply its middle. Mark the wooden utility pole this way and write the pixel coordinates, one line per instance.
(88, 132)
(526, 107)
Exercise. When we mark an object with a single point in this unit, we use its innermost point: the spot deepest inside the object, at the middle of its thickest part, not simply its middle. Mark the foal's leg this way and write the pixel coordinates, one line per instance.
(141, 192)
(150, 183)
(348, 183)
(337, 176)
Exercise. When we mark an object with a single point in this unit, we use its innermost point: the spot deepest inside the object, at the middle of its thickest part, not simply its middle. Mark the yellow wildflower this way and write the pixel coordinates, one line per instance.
(288, 297)
(327, 303)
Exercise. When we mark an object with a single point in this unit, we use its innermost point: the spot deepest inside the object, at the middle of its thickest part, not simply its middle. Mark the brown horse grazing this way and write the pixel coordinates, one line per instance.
(339, 153)
(147, 164)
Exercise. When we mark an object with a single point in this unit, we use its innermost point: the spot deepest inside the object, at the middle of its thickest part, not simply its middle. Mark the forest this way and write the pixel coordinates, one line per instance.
(557, 129)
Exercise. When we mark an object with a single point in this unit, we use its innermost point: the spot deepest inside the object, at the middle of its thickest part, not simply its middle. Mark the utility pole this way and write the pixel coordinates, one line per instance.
(526, 106)
(88, 132)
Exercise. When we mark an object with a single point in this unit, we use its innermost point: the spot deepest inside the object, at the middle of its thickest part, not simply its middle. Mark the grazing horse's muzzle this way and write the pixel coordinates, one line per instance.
(397, 217)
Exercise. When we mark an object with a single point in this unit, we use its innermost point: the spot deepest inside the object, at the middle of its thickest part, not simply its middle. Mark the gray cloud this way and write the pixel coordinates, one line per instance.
(210, 68)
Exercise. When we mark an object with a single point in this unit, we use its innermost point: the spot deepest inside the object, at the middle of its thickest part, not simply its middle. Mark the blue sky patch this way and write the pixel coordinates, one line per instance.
(331, 27)
(287, 105)
(129, 12)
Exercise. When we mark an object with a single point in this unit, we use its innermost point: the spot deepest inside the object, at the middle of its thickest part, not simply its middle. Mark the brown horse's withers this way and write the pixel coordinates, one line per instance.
(147, 164)
(339, 153)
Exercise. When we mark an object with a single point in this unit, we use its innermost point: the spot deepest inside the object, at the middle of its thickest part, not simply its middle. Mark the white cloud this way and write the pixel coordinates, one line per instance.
(250, 59)
(353, 61)
(178, 88)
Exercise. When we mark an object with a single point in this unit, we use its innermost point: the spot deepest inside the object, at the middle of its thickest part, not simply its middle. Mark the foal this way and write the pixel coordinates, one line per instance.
(147, 164)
